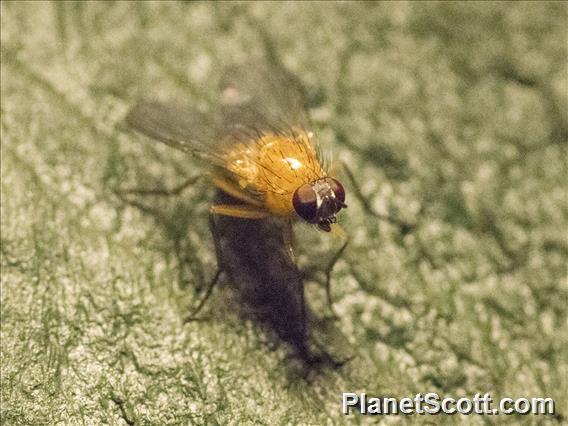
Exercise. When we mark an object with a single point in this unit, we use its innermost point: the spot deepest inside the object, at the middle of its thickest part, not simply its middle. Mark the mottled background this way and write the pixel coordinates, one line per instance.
(452, 116)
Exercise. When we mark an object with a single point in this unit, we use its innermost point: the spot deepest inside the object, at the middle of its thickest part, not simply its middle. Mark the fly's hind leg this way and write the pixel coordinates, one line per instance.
(220, 270)
(193, 315)
(240, 211)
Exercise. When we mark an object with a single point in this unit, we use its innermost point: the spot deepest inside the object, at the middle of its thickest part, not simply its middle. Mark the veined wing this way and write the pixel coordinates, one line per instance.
(262, 97)
(190, 132)
(257, 97)
(184, 129)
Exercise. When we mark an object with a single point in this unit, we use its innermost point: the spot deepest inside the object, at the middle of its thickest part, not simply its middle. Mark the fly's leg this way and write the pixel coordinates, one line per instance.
(123, 195)
(241, 211)
(251, 209)
(218, 252)
(193, 315)
(234, 190)
(339, 232)
(301, 291)
(164, 192)
(288, 239)
(404, 227)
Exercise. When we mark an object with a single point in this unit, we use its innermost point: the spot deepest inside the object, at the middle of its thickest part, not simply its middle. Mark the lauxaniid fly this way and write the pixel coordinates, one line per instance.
(262, 158)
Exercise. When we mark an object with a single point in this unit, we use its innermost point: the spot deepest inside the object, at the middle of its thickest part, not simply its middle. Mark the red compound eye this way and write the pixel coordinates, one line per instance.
(337, 189)
(305, 202)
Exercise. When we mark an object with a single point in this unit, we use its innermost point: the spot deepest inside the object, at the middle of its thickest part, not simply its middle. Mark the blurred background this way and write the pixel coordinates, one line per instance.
(453, 117)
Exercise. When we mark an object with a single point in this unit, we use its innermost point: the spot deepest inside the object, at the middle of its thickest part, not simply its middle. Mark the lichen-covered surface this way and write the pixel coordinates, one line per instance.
(451, 116)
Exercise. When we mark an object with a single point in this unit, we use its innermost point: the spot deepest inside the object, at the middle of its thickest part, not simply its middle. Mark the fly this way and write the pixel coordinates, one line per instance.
(265, 166)
(267, 163)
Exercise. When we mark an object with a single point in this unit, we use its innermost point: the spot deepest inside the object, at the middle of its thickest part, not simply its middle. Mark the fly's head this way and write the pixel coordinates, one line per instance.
(318, 202)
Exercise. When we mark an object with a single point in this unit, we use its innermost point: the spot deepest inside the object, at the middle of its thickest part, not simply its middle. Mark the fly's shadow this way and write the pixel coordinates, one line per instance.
(256, 260)
(253, 260)
(174, 220)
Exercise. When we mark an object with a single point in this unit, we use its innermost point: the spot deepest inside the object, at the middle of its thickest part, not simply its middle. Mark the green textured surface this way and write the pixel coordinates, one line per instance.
(452, 115)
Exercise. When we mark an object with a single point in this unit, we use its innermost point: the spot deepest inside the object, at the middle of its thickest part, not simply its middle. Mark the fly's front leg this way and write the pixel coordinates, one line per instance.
(337, 231)
(404, 227)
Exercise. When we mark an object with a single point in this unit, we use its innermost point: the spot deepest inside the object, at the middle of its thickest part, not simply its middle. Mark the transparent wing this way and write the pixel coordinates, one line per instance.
(256, 98)
(261, 96)
(184, 129)
(188, 131)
